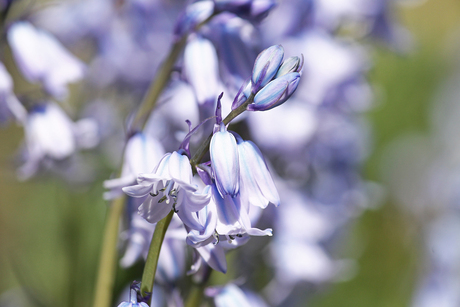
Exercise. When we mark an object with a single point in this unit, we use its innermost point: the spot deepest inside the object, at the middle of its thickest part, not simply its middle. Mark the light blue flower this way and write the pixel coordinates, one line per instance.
(169, 188)
(256, 184)
(224, 161)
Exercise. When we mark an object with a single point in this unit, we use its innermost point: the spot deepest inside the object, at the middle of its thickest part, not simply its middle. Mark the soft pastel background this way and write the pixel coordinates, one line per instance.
(44, 246)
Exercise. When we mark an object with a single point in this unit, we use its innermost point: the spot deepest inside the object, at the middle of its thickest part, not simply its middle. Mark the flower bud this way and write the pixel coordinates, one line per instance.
(292, 64)
(276, 92)
(266, 66)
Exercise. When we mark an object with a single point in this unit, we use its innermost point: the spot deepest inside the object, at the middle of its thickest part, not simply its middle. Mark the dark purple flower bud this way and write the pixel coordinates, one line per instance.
(275, 93)
(292, 64)
(266, 66)
(193, 15)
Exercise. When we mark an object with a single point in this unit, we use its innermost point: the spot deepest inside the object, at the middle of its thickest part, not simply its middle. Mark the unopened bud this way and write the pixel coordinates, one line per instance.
(275, 93)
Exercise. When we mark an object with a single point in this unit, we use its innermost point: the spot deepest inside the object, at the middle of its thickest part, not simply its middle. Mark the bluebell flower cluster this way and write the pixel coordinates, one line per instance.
(302, 154)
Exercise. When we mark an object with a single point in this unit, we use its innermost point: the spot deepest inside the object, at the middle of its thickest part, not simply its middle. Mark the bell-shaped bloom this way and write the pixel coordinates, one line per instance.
(169, 187)
(50, 133)
(193, 15)
(256, 184)
(224, 160)
(142, 154)
(266, 66)
(42, 58)
(201, 68)
(275, 93)
(133, 301)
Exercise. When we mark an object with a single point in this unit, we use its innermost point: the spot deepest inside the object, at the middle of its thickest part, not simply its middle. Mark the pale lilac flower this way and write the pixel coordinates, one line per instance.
(201, 69)
(41, 58)
(256, 184)
(169, 187)
(142, 154)
(50, 133)
(224, 161)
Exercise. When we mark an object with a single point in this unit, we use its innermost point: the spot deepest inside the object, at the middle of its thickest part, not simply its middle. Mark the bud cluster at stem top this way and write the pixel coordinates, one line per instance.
(272, 82)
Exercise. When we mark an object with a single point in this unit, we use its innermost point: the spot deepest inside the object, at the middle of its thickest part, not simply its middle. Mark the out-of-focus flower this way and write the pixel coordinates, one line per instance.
(51, 134)
(232, 296)
(201, 69)
(250, 9)
(193, 15)
(169, 187)
(41, 58)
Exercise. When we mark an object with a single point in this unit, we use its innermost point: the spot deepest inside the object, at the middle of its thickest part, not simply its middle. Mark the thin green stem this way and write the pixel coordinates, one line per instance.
(108, 257)
(150, 268)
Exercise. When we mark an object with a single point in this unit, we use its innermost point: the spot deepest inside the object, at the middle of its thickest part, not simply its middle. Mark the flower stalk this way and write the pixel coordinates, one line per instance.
(150, 268)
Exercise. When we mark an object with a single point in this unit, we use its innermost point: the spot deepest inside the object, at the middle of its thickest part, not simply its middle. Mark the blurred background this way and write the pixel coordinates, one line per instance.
(413, 157)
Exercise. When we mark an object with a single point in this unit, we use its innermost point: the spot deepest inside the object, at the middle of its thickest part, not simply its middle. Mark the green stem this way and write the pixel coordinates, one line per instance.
(150, 268)
(204, 147)
(108, 257)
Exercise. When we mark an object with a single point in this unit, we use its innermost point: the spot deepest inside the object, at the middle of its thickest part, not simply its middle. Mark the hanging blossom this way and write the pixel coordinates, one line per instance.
(51, 135)
(169, 187)
(42, 58)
